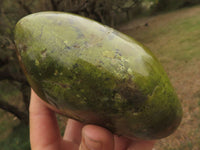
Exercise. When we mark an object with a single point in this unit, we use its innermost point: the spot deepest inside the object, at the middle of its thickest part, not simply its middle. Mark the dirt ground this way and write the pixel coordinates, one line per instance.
(159, 33)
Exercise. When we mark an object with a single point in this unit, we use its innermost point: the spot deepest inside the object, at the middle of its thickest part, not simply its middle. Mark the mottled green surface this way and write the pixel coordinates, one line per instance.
(97, 75)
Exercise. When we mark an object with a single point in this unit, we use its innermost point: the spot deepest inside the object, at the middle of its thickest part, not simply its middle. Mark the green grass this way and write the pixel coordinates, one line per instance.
(187, 36)
(178, 33)
(14, 135)
(18, 139)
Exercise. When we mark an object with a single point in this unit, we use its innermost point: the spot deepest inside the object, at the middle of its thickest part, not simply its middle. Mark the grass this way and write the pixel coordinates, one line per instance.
(17, 139)
(175, 34)
(14, 135)
(175, 39)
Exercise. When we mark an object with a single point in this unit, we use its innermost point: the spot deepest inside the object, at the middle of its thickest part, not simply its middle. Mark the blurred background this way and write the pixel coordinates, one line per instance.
(169, 28)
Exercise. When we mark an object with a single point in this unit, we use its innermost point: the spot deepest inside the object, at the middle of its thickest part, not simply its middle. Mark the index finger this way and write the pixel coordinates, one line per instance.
(44, 129)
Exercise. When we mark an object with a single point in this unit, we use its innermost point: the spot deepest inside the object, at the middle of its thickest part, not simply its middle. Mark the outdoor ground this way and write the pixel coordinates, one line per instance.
(175, 39)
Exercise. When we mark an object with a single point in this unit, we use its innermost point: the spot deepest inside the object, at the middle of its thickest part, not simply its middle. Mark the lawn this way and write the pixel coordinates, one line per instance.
(175, 39)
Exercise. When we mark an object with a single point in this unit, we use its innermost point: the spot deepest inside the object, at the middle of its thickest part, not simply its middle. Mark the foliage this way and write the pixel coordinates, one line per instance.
(18, 139)
(9, 68)
(166, 5)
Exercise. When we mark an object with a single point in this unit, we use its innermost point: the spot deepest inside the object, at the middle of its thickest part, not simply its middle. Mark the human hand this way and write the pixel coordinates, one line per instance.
(45, 134)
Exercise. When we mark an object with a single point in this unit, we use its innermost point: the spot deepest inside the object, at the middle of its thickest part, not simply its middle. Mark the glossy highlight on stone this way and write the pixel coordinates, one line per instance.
(97, 75)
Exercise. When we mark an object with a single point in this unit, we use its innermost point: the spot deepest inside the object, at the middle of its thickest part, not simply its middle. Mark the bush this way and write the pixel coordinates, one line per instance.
(166, 5)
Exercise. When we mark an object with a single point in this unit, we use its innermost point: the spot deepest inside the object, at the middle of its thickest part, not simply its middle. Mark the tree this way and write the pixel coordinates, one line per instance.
(166, 5)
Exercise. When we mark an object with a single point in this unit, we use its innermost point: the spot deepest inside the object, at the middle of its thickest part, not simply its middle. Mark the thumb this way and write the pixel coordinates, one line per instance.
(96, 138)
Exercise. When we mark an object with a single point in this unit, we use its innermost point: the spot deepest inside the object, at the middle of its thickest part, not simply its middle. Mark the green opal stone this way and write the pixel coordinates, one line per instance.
(97, 75)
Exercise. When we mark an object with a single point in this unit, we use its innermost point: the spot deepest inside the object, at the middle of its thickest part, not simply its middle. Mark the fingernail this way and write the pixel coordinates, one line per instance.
(90, 144)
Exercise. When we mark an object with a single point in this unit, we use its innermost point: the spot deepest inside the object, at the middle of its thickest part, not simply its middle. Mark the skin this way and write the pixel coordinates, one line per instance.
(45, 134)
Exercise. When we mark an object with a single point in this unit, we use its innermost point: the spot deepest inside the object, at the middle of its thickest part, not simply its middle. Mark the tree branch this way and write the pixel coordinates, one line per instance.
(82, 7)
(54, 5)
(58, 2)
(15, 111)
(24, 6)
(6, 75)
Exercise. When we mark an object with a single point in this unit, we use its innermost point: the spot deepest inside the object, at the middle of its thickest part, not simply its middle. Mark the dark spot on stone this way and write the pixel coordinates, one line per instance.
(99, 66)
(75, 66)
(113, 93)
(78, 31)
(76, 46)
(101, 62)
(41, 32)
(67, 47)
(106, 79)
(80, 35)
(130, 92)
(64, 85)
(117, 52)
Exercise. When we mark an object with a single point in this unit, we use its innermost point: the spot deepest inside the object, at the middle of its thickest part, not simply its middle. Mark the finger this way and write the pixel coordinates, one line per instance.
(121, 143)
(97, 138)
(142, 145)
(66, 145)
(44, 129)
(73, 131)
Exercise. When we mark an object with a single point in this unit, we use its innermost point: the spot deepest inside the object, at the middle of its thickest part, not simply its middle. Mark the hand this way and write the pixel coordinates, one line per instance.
(45, 134)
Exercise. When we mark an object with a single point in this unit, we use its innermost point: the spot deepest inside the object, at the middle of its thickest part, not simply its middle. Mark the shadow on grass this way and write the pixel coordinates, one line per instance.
(18, 139)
